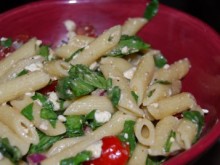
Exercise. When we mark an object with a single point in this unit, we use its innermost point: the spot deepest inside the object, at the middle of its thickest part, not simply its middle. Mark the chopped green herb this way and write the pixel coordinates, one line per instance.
(44, 144)
(128, 45)
(151, 9)
(135, 96)
(81, 81)
(9, 151)
(197, 118)
(74, 54)
(169, 141)
(151, 92)
(28, 111)
(163, 82)
(44, 51)
(114, 94)
(155, 160)
(160, 60)
(91, 121)
(7, 43)
(21, 73)
(74, 125)
(127, 135)
(78, 159)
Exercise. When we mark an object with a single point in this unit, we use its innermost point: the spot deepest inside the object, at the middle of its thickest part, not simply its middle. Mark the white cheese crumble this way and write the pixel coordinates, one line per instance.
(205, 110)
(1, 156)
(43, 125)
(94, 66)
(129, 73)
(96, 149)
(34, 67)
(3, 39)
(30, 94)
(102, 116)
(126, 136)
(124, 50)
(61, 118)
(166, 66)
(70, 25)
(38, 42)
(54, 99)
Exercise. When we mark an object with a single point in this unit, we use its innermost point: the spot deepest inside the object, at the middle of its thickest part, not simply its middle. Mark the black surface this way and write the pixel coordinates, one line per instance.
(206, 10)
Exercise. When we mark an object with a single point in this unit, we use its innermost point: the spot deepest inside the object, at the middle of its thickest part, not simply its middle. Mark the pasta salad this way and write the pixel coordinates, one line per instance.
(108, 99)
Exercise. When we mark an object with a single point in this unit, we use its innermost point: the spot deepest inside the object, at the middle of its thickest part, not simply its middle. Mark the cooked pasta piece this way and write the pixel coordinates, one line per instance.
(126, 100)
(133, 25)
(172, 105)
(20, 125)
(98, 47)
(27, 83)
(26, 50)
(86, 104)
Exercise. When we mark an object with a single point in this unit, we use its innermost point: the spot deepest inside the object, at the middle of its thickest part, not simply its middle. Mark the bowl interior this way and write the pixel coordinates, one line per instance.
(174, 33)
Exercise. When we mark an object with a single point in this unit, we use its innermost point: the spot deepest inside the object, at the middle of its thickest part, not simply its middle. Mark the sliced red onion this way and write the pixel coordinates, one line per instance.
(34, 159)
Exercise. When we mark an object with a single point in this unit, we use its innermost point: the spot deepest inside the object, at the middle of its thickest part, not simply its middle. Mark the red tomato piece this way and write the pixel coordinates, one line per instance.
(85, 29)
(22, 38)
(49, 88)
(114, 152)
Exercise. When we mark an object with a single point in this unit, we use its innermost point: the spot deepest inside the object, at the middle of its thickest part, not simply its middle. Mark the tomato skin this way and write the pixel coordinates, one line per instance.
(49, 88)
(85, 29)
(114, 152)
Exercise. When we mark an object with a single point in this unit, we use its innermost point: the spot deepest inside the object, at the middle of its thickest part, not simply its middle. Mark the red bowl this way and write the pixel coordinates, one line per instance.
(176, 34)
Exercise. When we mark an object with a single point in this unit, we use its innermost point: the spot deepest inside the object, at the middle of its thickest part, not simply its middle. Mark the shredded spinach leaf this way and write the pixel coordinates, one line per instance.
(78, 159)
(74, 54)
(7, 43)
(135, 96)
(197, 118)
(9, 151)
(127, 135)
(44, 144)
(44, 51)
(91, 121)
(128, 45)
(151, 9)
(21, 73)
(151, 92)
(163, 82)
(28, 111)
(74, 125)
(155, 160)
(160, 60)
(169, 141)
(114, 94)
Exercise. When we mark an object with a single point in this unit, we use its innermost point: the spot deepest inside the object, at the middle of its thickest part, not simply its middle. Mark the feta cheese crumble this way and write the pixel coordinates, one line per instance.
(54, 99)
(34, 67)
(96, 149)
(70, 25)
(102, 116)
(129, 73)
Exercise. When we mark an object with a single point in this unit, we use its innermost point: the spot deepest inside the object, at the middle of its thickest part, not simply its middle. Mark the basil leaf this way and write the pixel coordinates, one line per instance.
(135, 96)
(163, 82)
(74, 125)
(155, 160)
(74, 54)
(45, 142)
(160, 60)
(151, 92)
(151, 9)
(49, 115)
(47, 111)
(28, 111)
(128, 45)
(81, 81)
(169, 141)
(9, 151)
(114, 94)
(91, 121)
(78, 159)
(7, 43)
(44, 51)
(127, 135)
(21, 73)
(197, 118)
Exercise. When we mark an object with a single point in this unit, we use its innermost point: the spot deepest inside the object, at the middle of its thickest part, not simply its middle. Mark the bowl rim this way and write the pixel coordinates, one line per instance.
(207, 140)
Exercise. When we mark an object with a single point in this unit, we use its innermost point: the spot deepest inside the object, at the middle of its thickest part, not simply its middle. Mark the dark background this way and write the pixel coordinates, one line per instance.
(206, 10)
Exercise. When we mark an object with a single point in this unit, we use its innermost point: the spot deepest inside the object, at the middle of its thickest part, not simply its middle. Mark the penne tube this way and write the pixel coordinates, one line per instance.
(98, 47)
(27, 83)
(86, 104)
(171, 105)
(133, 25)
(13, 138)
(26, 50)
(126, 99)
(20, 125)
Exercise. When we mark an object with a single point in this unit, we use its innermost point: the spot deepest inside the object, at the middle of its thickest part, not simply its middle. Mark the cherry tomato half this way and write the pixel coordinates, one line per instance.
(114, 152)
